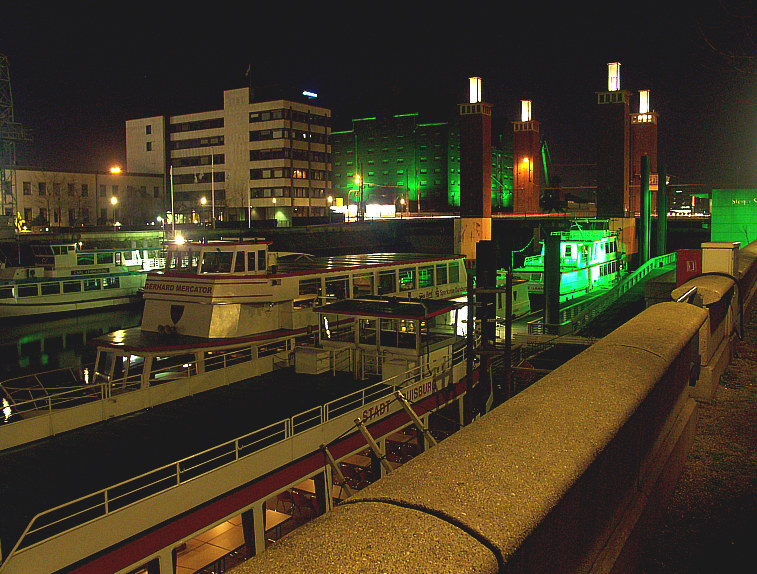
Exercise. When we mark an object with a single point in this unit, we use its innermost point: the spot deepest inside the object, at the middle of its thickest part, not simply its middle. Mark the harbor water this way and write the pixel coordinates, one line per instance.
(35, 345)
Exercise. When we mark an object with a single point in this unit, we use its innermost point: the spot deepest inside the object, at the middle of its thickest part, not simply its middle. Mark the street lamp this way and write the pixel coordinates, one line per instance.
(402, 209)
(203, 202)
(114, 202)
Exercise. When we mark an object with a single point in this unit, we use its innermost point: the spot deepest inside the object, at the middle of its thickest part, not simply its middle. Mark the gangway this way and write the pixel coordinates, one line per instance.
(575, 318)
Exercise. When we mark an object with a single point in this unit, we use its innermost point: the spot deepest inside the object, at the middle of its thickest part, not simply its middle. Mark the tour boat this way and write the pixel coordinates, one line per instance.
(219, 312)
(589, 259)
(367, 384)
(64, 278)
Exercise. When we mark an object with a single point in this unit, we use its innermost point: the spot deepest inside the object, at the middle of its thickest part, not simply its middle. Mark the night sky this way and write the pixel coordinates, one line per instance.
(79, 73)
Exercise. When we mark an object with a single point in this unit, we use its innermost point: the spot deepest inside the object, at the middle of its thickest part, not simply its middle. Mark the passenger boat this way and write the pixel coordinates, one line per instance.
(220, 312)
(200, 484)
(65, 278)
(589, 259)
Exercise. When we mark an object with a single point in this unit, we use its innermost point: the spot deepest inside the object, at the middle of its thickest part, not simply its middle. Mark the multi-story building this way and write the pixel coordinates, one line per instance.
(398, 157)
(71, 199)
(250, 160)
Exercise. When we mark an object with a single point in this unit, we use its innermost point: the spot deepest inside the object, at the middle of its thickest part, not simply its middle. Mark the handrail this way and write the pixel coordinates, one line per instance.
(575, 317)
(181, 470)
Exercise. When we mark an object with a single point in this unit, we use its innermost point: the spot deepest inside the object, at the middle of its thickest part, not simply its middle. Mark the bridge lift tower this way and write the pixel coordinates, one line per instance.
(11, 133)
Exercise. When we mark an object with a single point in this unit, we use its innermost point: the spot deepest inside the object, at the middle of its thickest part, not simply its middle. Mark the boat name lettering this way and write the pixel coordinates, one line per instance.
(411, 395)
(440, 293)
(179, 288)
(87, 271)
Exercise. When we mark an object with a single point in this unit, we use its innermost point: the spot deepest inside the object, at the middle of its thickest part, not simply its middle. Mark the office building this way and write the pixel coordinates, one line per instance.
(250, 160)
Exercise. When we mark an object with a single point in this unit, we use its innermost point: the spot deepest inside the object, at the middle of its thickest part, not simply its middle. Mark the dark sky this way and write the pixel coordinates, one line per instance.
(79, 73)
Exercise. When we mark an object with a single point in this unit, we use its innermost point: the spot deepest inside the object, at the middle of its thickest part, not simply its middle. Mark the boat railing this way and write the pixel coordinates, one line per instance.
(56, 521)
(575, 317)
(59, 388)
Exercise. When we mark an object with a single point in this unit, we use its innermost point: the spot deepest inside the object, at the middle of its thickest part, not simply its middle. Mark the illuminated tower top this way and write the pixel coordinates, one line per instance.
(645, 115)
(525, 110)
(613, 77)
(474, 89)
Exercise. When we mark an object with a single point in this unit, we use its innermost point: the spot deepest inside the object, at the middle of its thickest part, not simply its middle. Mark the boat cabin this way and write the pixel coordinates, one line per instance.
(221, 257)
(383, 337)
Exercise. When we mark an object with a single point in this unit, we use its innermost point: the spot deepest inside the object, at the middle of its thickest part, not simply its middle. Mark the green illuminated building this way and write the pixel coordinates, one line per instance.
(400, 157)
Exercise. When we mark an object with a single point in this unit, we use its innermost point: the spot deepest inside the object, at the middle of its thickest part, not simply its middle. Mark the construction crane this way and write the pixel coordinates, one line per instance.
(11, 133)
(551, 197)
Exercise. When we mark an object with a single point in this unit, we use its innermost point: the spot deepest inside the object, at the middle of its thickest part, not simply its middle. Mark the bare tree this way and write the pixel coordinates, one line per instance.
(729, 29)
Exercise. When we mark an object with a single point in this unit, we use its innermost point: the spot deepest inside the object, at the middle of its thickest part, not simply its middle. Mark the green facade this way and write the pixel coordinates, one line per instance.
(734, 215)
(398, 156)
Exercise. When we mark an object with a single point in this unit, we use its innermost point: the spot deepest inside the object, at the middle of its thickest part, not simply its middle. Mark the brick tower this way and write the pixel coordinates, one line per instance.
(613, 147)
(475, 171)
(526, 164)
(643, 143)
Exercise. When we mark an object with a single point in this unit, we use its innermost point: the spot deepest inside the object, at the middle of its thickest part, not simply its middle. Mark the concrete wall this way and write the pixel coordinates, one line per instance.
(724, 298)
(567, 476)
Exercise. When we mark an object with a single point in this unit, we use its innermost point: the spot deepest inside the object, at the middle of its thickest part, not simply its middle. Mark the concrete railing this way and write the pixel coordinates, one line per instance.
(566, 476)
(724, 298)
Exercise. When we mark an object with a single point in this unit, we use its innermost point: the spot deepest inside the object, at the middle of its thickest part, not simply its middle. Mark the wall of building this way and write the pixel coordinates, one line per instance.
(399, 156)
(734, 215)
(240, 158)
(70, 199)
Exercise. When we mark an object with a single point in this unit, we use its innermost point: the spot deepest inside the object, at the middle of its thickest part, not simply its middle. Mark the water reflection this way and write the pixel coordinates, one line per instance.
(34, 346)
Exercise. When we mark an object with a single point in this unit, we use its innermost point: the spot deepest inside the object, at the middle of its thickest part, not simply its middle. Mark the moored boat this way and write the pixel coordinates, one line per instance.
(64, 278)
(589, 259)
(400, 364)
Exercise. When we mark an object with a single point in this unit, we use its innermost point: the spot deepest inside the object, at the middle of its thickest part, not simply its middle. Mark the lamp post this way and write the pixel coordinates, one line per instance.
(331, 201)
(402, 208)
(203, 202)
(114, 202)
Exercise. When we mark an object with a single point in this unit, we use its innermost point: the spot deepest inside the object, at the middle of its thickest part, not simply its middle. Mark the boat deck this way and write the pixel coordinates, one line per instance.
(135, 339)
(49, 472)
(294, 264)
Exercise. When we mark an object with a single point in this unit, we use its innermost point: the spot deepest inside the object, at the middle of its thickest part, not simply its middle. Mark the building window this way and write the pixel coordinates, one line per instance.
(149, 146)
(148, 129)
(84, 190)
(42, 188)
(27, 188)
(103, 190)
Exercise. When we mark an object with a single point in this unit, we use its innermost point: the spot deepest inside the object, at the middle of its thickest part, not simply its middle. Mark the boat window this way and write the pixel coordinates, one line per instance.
(426, 276)
(85, 258)
(441, 274)
(337, 287)
(103, 258)
(239, 262)
(387, 283)
(454, 272)
(52, 288)
(407, 278)
(310, 286)
(216, 262)
(6, 292)
(388, 333)
(251, 260)
(71, 286)
(568, 250)
(27, 290)
(261, 260)
(362, 285)
(111, 283)
(91, 284)
(367, 332)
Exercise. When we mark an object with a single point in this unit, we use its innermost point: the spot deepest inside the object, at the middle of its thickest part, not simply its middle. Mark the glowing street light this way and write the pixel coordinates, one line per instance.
(115, 170)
